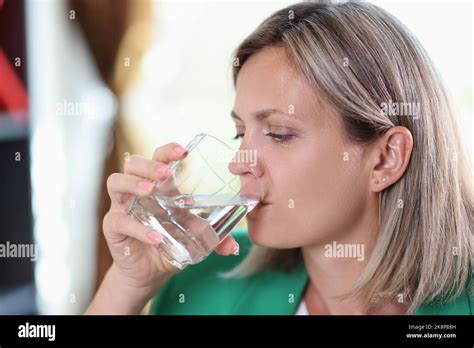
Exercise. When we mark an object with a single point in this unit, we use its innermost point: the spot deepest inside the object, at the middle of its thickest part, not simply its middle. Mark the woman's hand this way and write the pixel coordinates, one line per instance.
(137, 263)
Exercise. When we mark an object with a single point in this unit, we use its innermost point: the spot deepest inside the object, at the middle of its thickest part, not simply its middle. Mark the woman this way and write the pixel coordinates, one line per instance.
(369, 202)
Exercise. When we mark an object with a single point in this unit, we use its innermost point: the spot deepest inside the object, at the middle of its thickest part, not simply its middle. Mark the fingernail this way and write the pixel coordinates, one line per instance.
(165, 170)
(154, 237)
(146, 185)
(180, 150)
(236, 250)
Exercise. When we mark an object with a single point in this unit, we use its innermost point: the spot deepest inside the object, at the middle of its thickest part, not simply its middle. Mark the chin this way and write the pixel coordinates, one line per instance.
(256, 231)
(263, 236)
(264, 232)
(254, 234)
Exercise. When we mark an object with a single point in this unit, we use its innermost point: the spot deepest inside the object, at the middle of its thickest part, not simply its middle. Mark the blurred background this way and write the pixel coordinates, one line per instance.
(84, 83)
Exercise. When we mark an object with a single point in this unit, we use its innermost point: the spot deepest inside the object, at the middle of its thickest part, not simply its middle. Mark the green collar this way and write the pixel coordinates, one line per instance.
(275, 292)
(268, 292)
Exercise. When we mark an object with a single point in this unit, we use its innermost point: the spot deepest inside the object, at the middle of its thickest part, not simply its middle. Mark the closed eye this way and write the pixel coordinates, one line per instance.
(279, 138)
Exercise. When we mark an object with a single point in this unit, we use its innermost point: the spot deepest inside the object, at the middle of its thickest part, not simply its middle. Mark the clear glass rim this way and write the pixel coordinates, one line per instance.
(200, 136)
(190, 146)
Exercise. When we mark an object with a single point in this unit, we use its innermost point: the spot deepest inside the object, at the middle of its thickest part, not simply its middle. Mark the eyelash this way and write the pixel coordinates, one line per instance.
(278, 138)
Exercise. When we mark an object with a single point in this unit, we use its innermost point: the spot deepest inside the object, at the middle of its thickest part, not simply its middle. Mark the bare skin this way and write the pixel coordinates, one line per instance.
(314, 196)
(135, 276)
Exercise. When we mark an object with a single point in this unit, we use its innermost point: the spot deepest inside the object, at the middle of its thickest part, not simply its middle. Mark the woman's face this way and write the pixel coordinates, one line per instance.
(315, 184)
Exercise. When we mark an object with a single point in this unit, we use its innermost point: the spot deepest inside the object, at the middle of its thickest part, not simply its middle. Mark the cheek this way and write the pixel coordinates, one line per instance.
(317, 196)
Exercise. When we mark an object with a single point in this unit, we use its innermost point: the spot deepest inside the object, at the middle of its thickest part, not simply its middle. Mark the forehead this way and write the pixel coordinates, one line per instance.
(268, 80)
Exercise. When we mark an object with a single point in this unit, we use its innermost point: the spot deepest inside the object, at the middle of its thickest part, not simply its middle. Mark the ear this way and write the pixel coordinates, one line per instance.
(391, 156)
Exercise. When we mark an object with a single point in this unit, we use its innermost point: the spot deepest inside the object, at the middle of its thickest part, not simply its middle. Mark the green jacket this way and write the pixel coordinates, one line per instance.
(201, 290)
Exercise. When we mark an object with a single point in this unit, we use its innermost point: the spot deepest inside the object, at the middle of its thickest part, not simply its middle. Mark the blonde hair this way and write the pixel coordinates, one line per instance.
(357, 56)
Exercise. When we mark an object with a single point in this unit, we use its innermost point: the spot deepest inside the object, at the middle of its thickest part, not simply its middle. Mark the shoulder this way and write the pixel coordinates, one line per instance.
(462, 305)
(201, 288)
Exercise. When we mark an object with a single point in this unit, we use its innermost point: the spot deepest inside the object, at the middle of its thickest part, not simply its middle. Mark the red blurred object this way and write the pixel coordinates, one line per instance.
(13, 96)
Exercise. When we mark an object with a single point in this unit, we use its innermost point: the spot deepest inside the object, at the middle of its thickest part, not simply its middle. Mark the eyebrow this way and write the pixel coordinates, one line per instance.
(263, 114)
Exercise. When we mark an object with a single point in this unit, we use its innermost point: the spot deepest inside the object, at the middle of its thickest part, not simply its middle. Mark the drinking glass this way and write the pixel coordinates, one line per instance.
(206, 195)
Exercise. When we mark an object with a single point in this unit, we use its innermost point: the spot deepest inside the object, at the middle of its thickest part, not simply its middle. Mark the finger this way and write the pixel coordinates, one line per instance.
(228, 246)
(169, 153)
(118, 226)
(146, 168)
(121, 186)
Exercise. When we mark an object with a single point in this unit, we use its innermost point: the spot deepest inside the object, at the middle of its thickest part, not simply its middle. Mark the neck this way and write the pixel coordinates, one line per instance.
(334, 267)
(330, 277)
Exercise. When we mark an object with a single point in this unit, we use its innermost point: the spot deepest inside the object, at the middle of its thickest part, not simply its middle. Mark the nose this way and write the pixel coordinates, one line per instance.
(245, 161)
(238, 168)
(249, 173)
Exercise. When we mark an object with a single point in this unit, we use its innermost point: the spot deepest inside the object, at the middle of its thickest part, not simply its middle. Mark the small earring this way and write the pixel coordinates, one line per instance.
(384, 179)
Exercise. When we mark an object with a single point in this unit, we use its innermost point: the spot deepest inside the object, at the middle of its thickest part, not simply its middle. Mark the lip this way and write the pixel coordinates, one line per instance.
(263, 202)
(259, 206)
